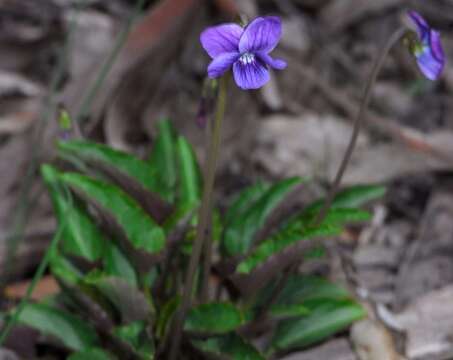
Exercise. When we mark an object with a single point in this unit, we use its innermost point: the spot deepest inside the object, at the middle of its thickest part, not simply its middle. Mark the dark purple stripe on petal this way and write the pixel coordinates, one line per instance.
(221, 64)
(420, 23)
(250, 76)
(261, 35)
(221, 39)
(436, 46)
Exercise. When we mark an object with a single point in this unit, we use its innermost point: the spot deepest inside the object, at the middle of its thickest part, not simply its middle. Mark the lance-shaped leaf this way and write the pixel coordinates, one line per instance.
(163, 159)
(352, 197)
(142, 232)
(288, 245)
(88, 151)
(189, 174)
(129, 302)
(300, 229)
(81, 236)
(300, 288)
(189, 183)
(118, 265)
(244, 200)
(326, 317)
(214, 318)
(72, 331)
(63, 269)
(240, 231)
(133, 175)
(231, 347)
(297, 290)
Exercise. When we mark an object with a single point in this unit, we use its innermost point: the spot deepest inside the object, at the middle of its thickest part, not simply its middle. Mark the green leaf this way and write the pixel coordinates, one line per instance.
(189, 183)
(240, 231)
(230, 346)
(165, 315)
(214, 318)
(297, 229)
(340, 216)
(98, 153)
(71, 330)
(139, 228)
(326, 318)
(92, 354)
(117, 264)
(163, 159)
(352, 197)
(189, 175)
(128, 300)
(281, 240)
(63, 269)
(136, 335)
(301, 288)
(81, 236)
(285, 311)
(244, 200)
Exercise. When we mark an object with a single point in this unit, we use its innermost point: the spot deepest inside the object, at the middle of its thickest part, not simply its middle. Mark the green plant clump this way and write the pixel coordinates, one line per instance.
(127, 229)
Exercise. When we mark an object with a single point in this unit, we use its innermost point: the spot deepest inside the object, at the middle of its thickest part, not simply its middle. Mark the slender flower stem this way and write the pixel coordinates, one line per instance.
(37, 277)
(203, 219)
(207, 261)
(361, 116)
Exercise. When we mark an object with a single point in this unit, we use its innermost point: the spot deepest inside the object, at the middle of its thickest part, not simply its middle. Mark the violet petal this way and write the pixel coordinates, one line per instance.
(277, 64)
(436, 46)
(251, 75)
(420, 23)
(221, 64)
(428, 64)
(261, 35)
(217, 40)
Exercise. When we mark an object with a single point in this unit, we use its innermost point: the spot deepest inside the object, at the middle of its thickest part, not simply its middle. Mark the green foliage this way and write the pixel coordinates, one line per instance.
(69, 329)
(352, 197)
(81, 236)
(98, 155)
(139, 228)
(300, 228)
(214, 318)
(137, 336)
(326, 317)
(126, 244)
(163, 160)
(230, 346)
(249, 213)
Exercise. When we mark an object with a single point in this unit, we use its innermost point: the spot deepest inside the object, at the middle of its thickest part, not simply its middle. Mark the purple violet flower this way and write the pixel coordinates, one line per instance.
(428, 48)
(245, 49)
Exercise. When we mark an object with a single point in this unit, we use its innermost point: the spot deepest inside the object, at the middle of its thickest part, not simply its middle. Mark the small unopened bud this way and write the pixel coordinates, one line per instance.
(65, 125)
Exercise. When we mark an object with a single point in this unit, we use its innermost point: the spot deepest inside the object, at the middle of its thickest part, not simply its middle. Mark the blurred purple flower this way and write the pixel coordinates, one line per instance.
(245, 49)
(428, 48)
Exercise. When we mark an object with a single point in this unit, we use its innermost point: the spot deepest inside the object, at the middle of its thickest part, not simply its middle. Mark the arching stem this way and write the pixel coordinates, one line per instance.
(361, 116)
(203, 219)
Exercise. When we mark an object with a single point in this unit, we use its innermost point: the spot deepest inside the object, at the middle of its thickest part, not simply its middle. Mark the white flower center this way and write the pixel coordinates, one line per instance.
(247, 58)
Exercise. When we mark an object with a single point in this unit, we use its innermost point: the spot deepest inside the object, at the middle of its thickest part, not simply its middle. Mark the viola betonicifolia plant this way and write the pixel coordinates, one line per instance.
(150, 267)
